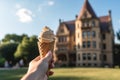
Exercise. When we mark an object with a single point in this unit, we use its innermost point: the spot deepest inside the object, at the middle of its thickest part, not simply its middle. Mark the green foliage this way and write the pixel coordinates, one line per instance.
(2, 60)
(117, 54)
(15, 47)
(13, 38)
(7, 50)
(27, 49)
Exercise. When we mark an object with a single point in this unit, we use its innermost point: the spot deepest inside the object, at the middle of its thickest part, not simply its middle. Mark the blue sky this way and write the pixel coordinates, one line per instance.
(30, 16)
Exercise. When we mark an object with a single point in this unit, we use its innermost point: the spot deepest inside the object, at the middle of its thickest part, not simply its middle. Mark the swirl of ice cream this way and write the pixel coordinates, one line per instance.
(46, 35)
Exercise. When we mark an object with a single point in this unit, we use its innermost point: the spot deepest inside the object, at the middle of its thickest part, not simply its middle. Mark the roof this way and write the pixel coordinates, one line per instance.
(70, 26)
(104, 23)
(104, 18)
(88, 7)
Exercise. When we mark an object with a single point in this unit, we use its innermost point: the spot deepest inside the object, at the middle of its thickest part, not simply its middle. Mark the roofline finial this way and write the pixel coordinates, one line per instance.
(109, 12)
(59, 20)
(76, 16)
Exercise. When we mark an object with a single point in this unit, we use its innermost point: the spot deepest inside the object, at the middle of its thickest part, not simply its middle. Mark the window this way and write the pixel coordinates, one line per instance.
(103, 36)
(94, 44)
(84, 34)
(88, 44)
(88, 34)
(78, 46)
(63, 48)
(93, 24)
(95, 64)
(89, 56)
(84, 44)
(85, 24)
(62, 39)
(104, 46)
(84, 56)
(93, 34)
(74, 47)
(94, 56)
(78, 56)
(89, 64)
(104, 57)
(84, 64)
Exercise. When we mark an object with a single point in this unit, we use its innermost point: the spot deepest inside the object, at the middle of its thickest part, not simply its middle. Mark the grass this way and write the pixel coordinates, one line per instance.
(68, 74)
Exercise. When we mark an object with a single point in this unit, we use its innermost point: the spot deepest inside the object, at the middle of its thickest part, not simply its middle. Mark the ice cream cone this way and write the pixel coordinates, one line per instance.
(46, 41)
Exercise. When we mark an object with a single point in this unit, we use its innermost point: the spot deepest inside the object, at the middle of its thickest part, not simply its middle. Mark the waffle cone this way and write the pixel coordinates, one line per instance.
(45, 47)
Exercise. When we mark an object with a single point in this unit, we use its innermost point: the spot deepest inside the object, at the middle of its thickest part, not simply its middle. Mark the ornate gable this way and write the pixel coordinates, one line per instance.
(62, 30)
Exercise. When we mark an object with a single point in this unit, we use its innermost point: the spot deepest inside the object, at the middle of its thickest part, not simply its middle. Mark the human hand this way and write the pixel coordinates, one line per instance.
(38, 68)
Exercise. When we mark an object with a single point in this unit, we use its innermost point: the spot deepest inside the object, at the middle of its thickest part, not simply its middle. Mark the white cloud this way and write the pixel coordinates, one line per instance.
(50, 3)
(24, 15)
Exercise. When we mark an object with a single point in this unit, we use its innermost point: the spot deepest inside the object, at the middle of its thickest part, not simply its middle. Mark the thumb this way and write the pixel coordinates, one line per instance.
(48, 56)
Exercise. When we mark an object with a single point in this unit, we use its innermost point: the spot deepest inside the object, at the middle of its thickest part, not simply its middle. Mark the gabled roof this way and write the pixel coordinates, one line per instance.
(104, 23)
(104, 18)
(70, 26)
(87, 7)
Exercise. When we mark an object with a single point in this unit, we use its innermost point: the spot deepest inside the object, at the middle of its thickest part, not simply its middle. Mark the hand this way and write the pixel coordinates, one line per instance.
(38, 68)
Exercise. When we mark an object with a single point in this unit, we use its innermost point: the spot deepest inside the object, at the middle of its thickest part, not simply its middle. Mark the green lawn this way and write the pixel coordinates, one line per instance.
(68, 74)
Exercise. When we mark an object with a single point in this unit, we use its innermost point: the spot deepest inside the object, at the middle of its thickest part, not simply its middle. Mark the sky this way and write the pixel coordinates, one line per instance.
(30, 16)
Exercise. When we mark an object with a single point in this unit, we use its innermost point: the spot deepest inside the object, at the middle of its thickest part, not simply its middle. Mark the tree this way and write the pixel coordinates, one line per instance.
(13, 38)
(27, 49)
(118, 35)
(117, 54)
(7, 51)
(117, 50)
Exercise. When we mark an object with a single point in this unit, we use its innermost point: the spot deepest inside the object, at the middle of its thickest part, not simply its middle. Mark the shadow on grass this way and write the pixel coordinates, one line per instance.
(69, 78)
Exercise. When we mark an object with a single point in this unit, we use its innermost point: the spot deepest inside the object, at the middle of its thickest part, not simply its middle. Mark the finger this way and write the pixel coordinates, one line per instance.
(50, 73)
(48, 56)
(51, 66)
